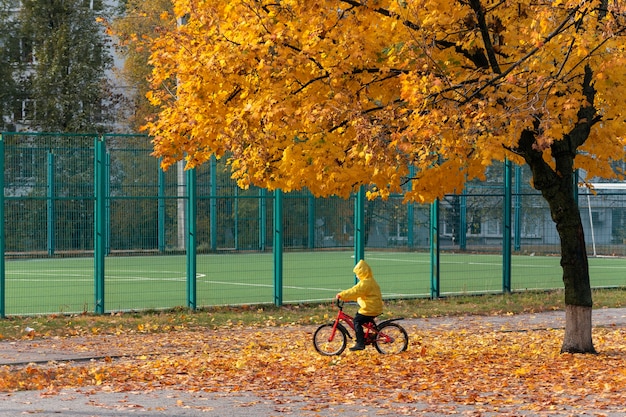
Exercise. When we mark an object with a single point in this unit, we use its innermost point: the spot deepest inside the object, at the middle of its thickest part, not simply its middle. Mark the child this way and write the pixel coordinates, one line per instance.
(367, 294)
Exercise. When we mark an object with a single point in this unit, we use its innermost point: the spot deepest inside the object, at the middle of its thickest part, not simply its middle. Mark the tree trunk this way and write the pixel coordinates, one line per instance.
(557, 187)
(578, 298)
(577, 330)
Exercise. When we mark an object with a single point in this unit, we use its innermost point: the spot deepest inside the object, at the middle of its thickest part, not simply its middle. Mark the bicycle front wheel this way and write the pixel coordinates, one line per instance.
(392, 338)
(329, 342)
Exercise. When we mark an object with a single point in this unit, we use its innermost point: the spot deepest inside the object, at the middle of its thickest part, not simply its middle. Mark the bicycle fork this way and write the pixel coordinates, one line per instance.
(338, 326)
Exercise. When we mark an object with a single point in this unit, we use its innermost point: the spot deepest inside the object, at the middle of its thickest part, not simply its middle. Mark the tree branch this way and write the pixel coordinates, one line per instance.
(484, 31)
(478, 58)
(523, 59)
(587, 116)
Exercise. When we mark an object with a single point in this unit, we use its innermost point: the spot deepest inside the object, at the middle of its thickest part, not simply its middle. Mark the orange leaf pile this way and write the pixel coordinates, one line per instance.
(487, 370)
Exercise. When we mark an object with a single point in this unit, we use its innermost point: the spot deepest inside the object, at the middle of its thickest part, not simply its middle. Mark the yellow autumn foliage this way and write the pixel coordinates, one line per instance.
(335, 94)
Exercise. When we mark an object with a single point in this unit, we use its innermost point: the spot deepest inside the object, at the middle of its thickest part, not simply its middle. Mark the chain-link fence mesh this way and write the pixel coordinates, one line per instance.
(193, 238)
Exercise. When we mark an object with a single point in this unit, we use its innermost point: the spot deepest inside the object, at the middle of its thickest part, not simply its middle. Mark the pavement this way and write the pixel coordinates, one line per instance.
(98, 402)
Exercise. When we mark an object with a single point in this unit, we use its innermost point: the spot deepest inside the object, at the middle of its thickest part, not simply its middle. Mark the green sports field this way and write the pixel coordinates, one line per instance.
(64, 285)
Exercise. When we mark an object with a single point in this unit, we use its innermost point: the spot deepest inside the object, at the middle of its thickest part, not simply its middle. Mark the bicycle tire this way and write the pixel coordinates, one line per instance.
(327, 347)
(392, 338)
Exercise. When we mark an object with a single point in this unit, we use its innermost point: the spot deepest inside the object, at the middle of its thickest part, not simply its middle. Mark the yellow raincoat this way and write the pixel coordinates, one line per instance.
(366, 292)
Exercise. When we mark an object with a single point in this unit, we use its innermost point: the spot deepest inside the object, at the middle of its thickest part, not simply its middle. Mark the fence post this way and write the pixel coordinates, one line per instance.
(2, 246)
(191, 239)
(99, 224)
(50, 203)
(262, 219)
(434, 250)
(359, 226)
(518, 208)
(161, 208)
(410, 220)
(236, 219)
(107, 202)
(213, 203)
(278, 247)
(463, 220)
(506, 229)
(311, 221)
(410, 214)
(181, 222)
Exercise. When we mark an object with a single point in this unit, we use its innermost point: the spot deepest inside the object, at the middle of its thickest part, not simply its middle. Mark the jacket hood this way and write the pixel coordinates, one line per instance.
(362, 270)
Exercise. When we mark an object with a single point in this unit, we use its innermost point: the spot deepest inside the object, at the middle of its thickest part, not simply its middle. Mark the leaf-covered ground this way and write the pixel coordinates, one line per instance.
(477, 369)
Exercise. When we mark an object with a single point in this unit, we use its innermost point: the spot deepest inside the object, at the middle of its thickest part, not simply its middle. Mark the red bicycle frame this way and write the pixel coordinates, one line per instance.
(369, 328)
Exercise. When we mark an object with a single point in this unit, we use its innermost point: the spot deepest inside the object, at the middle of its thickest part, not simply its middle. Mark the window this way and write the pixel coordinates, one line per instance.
(24, 110)
(91, 4)
(27, 55)
(492, 227)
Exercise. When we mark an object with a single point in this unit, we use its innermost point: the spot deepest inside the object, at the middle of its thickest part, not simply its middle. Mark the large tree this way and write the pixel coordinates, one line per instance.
(336, 94)
(9, 54)
(67, 79)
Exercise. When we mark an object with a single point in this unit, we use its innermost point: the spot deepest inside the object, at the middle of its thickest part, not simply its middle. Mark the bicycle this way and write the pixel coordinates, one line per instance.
(388, 337)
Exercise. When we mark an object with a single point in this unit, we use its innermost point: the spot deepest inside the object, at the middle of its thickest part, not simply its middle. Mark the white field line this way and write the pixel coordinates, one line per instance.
(200, 277)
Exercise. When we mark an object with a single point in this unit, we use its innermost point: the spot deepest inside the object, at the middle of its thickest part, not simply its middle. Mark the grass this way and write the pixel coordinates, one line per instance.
(133, 283)
(13, 328)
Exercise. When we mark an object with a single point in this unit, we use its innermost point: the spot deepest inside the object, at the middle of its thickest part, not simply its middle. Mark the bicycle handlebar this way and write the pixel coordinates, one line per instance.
(339, 303)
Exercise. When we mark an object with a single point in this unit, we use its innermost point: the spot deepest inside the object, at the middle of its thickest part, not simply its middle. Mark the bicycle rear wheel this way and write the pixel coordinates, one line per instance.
(392, 338)
(328, 344)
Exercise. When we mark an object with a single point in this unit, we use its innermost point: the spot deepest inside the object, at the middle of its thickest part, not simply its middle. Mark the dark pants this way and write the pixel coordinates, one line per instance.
(359, 321)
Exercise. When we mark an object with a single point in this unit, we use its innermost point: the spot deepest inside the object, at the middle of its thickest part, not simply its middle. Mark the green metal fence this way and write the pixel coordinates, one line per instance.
(91, 223)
